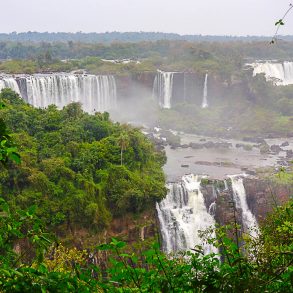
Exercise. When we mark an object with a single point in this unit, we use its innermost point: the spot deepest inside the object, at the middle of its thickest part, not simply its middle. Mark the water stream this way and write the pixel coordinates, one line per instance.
(204, 103)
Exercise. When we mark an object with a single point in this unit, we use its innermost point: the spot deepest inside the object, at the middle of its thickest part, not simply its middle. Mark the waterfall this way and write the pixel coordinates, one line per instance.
(226, 185)
(280, 73)
(94, 92)
(163, 88)
(9, 82)
(248, 219)
(204, 103)
(182, 214)
(212, 208)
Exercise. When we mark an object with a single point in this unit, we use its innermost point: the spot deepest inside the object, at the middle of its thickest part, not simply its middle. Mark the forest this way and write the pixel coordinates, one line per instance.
(110, 37)
(65, 167)
(178, 55)
(79, 169)
(71, 182)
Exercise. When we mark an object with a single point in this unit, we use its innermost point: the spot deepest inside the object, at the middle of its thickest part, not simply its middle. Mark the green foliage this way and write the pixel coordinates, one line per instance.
(7, 148)
(28, 270)
(256, 264)
(254, 108)
(261, 264)
(71, 166)
(222, 58)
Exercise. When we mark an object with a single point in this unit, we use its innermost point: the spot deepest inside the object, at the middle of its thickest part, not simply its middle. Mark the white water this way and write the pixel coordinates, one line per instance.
(280, 73)
(204, 103)
(95, 93)
(182, 214)
(9, 82)
(163, 88)
(249, 222)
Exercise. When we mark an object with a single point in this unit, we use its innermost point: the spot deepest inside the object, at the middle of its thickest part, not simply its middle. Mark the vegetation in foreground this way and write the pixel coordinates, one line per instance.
(80, 170)
(29, 262)
(262, 264)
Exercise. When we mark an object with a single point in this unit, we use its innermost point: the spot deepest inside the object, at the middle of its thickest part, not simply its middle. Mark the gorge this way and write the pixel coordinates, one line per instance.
(190, 206)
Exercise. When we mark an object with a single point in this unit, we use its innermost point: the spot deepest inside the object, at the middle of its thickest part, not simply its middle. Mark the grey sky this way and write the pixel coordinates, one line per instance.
(225, 17)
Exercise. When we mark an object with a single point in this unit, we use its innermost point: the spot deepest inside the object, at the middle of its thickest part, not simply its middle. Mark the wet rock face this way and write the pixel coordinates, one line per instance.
(264, 148)
(210, 144)
(259, 140)
(225, 212)
(284, 144)
(289, 154)
(264, 195)
(276, 148)
(261, 195)
(215, 191)
(208, 193)
(133, 229)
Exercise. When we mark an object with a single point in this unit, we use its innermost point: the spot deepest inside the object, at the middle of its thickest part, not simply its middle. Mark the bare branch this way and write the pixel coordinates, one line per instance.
(279, 23)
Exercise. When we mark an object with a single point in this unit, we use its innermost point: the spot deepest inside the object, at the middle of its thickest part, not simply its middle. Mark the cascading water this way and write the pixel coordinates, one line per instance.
(204, 103)
(280, 73)
(248, 219)
(9, 82)
(95, 93)
(163, 88)
(182, 214)
(213, 206)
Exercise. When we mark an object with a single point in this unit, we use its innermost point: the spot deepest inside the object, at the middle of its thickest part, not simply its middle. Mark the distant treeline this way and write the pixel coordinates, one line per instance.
(110, 37)
(175, 51)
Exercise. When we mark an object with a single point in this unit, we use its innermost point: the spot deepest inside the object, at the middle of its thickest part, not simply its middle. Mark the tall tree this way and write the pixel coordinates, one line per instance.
(123, 141)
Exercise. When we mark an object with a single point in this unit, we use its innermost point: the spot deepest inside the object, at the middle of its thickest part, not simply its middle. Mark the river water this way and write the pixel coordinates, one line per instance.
(217, 162)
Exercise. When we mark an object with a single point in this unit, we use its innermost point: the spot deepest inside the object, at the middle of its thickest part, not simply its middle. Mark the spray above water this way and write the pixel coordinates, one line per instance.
(204, 103)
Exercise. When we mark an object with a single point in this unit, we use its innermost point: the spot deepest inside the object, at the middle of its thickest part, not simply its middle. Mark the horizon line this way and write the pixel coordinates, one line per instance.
(142, 32)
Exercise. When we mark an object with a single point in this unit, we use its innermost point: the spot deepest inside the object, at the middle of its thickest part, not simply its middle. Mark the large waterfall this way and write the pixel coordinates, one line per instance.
(182, 214)
(249, 222)
(163, 88)
(280, 73)
(204, 103)
(94, 92)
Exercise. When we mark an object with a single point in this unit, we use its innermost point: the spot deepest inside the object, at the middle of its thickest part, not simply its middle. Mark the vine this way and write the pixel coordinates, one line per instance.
(280, 23)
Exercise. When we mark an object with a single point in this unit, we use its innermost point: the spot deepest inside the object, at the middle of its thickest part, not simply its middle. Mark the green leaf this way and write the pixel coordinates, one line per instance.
(104, 247)
(15, 157)
(156, 245)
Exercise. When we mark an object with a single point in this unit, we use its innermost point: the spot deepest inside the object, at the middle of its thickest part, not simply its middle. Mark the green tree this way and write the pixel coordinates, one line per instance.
(123, 142)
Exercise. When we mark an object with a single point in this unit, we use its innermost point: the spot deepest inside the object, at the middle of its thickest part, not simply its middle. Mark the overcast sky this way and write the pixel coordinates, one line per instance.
(213, 17)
